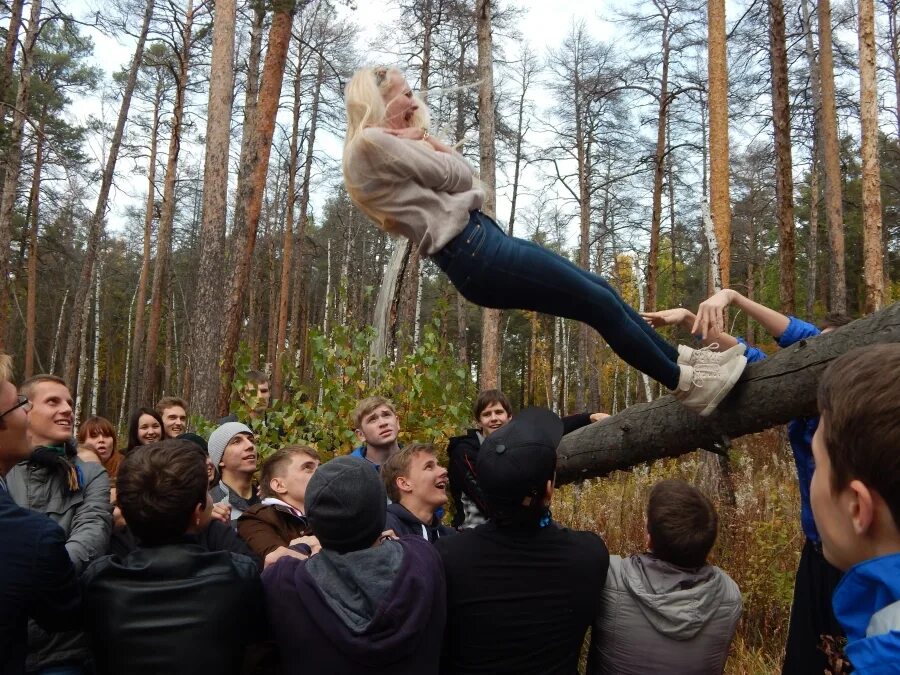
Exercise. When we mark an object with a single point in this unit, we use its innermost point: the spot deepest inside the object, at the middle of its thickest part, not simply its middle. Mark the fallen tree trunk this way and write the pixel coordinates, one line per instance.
(769, 393)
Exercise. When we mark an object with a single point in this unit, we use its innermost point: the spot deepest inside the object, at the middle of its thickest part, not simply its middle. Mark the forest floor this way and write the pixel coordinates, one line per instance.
(759, 536)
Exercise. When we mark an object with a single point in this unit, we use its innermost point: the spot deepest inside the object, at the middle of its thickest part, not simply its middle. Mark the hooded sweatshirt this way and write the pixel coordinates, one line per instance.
(656, 617)
(403, 522)
(373, 611)
(867, 603)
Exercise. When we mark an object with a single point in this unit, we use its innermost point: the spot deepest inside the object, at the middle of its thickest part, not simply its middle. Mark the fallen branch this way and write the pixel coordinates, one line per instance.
(769, 393)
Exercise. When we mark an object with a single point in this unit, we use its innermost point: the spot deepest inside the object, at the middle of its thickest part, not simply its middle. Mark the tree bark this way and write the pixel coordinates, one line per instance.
(832, 163)
(769, 393)
(205, 324)
(31, 299)
(784, 182)
(658, 167)
(489, 376)
(95, 233)
(137, 346)
(873, 253)
(720, 203)
(13, 159)
(258, 159)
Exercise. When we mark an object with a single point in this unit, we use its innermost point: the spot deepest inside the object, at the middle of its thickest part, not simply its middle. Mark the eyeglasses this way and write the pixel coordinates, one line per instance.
(21, 401)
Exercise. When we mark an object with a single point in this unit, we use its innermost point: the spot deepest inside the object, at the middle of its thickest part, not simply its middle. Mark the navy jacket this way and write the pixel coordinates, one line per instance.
(401, 521)
(37, 580)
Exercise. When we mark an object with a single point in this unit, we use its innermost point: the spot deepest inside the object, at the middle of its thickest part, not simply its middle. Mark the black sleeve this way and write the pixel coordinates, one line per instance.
(463, 454)
(221, 537)
(56, 600)
(573, 422)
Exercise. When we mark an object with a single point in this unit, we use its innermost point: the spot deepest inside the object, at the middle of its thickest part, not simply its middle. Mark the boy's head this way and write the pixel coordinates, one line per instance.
(346, 504)
(491, 411)
(232, 449)
(834, 320)
(516, 466)
(375, 422)
(14, 409)
(682, 523)
(162, 491)
(173, 411)
(855, 491)
(286, 474)
(414, 477)
(50, 420)
(257, 393)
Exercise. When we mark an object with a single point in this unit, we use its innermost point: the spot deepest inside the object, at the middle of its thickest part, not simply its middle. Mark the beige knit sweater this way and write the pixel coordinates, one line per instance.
(424, 194)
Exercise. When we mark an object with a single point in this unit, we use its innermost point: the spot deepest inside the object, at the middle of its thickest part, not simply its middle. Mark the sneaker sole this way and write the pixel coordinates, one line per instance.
(726, 387)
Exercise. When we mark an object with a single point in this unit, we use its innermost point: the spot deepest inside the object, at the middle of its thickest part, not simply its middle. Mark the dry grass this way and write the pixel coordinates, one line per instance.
(759, 538)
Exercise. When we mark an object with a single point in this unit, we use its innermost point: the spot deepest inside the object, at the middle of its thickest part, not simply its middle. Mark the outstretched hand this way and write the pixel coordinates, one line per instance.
(411, 133)
(710, 321)
(667, 317)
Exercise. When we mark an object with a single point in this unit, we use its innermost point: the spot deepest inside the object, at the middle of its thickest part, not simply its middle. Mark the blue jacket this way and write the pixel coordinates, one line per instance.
(800, 430)
(38, 581)
(867, 603)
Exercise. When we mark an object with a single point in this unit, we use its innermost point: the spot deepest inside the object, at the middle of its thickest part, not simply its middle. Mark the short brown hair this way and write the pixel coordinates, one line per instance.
(278, 461)
(27, 387)
(158, 488)
(167, 402)
(861, 420)
(97, 424)
(490, 397)
(256, 377)
(367, 405)
(397, 465)
(6, 370)
(835, 320)
(682, 523)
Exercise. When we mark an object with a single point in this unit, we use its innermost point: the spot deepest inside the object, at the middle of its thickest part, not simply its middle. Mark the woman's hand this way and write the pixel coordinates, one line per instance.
(410, 133)
(667, 317)
(310, 541)
(221, 512)
(710, 321)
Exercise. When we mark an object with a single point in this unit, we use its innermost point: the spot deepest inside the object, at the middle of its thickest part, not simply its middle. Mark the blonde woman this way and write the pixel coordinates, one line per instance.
(414, 185)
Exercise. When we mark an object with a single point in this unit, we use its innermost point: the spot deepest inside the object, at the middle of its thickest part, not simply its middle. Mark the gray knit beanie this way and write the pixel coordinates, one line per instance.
(219, 438)
(346, 504)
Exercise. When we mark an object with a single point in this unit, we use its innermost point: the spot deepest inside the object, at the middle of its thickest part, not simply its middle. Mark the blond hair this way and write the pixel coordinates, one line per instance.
(6, 369)
(366, 107)
(367, 405)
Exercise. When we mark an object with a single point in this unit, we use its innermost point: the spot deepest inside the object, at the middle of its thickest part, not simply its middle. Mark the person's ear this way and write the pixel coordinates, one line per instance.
(404, 484)
(648, 542)
(360, 436)
(861, 507)
(199, 517)
(277, 485)
(548, 491)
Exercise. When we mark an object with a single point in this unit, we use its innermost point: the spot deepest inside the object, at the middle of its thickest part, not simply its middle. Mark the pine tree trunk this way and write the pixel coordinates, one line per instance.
(137, 345)
(205, 323)
(159, 287)
(258, 159)
(720, 204)
(812, 245)
(784, 181)
(31, 300)
(13, 160)
(95, 232)
(658, 169)
(288, 240)
(832, 163)
(893, 49)
(873, 253)
(490, 318)
(95, 375)
(9, 52)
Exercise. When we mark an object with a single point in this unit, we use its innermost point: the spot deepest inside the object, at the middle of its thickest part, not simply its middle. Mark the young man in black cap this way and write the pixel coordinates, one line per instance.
(545, 581)
(364, 603)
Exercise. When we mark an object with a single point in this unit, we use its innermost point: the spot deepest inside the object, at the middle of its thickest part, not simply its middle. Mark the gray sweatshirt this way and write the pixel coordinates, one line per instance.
(659, 618)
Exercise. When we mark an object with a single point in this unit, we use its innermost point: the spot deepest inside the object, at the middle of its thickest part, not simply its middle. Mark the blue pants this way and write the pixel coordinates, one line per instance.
(492, 269)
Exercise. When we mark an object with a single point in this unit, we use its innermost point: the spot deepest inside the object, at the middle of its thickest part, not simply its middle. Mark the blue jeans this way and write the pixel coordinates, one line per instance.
(492, 269)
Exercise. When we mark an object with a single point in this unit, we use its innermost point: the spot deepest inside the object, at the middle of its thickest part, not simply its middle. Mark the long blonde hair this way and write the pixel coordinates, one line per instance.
(364, 101)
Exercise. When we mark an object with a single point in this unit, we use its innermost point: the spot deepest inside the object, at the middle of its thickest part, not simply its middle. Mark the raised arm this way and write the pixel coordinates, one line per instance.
(679, 316)
(710, 321)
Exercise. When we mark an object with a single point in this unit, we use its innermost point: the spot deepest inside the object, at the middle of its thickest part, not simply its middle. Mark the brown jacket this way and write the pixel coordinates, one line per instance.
(266, 527)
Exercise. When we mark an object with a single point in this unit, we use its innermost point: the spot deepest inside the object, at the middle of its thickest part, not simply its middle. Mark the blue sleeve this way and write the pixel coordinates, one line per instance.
(797, 330)
(753, 354)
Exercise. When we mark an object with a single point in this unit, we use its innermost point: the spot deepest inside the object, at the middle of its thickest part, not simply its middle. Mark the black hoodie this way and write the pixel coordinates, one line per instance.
(403, 522)
(378, 610)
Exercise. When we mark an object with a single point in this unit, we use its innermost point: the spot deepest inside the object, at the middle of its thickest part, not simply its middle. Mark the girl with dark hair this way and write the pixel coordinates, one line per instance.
(144, 427)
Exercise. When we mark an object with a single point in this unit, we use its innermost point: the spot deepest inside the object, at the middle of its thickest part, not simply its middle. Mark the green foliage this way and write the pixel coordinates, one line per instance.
(429, 388)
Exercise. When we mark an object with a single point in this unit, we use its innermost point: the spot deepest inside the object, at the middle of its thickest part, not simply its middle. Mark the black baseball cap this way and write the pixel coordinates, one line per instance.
(516, 461)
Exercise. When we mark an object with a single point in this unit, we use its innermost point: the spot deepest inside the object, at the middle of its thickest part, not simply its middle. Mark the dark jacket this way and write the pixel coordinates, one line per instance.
(402, 522)
(469, 506)
(519, 600)
(217, 536)
(265, 527)
(85, 517)
(380, 610)
(656, 617)
(175, 609)
(37, 580)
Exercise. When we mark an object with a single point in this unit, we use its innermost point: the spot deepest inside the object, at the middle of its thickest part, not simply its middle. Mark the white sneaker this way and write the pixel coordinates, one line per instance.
(704, 385)
(708, 354)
